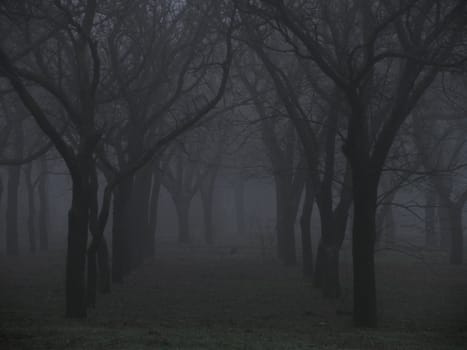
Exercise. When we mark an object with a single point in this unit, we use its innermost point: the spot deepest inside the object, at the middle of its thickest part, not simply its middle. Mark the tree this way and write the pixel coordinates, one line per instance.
(409, 42)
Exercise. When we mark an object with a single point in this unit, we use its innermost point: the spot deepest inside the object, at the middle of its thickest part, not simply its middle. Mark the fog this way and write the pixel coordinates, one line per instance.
(250, 174)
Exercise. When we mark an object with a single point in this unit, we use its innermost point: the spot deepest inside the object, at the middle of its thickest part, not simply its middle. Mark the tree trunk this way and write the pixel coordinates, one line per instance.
(43, 206)
(139, 210)
(12, 239)
(91, 287)
(457, 239)
(206, 199)
(120, 231)
(363, 240)
(444, 225)
(154, 202)
(331, 283)
(286, 212)
(78, 219)
(239, 195)
(430, 219)
(31, 208)
(104, 267)
(327, 277)
(14, 173)
(182, 206)
(318, 274)
(286, 236)
(207, 195)
(305, 226)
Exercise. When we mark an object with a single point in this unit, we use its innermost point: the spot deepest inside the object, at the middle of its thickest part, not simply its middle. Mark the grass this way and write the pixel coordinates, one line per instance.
(223, 302)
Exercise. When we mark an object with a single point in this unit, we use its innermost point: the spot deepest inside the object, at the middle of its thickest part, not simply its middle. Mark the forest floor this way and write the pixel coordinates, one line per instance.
(226, 301)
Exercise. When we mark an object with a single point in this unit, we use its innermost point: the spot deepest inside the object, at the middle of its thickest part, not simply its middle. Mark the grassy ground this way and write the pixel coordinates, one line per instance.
(226, 302)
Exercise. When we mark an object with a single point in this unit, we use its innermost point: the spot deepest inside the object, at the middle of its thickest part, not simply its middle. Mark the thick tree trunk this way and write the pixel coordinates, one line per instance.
(305, 226)
(430, 219)
(43, 206)
(12, 238)
(457, 239)
(239, 196)
(31, 208)
(78, 219)
(363, 240)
